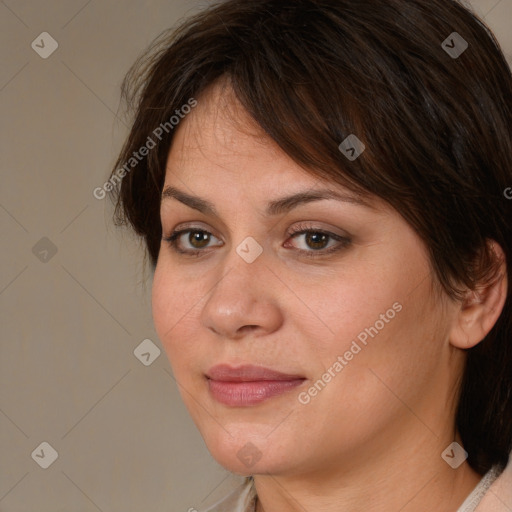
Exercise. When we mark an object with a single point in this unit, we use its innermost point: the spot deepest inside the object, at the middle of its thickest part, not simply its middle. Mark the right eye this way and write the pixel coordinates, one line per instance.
(197, 238)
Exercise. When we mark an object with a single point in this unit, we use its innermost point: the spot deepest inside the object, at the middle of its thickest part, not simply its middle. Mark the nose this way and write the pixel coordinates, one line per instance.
(244, 300)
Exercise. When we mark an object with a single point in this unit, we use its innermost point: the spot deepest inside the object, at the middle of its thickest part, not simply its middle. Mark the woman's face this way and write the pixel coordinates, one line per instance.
(345, 310)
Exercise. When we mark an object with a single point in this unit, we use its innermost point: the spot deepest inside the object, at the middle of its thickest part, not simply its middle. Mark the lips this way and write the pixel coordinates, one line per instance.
(248, 385)
(247, 373)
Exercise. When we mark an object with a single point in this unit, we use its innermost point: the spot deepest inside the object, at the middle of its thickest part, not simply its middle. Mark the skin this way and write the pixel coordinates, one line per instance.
(372, 438)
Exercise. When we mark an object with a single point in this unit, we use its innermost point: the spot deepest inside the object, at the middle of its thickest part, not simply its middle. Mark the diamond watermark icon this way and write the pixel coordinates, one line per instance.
(352, 147)
(249, 454)
(44, 250)
(454, 455)
(249, 249)
(45, 455)
(44, 45)
(454, 45)
(146, 352)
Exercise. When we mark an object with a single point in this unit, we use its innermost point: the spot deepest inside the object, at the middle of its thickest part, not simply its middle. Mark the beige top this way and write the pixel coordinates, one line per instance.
(492, 494)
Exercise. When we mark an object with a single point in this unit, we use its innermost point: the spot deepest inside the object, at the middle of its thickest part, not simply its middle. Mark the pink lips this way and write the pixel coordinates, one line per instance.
(248, 385)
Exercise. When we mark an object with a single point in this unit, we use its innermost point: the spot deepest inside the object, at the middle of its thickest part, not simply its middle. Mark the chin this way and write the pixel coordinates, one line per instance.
(248, 467)
(243, 452)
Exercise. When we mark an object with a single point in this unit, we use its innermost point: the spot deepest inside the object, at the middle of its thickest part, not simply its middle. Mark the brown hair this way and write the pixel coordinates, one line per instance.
(437, 127)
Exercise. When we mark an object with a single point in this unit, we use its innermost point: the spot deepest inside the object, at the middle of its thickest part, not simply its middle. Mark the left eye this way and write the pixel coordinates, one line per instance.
(195, 236)
(316, 241)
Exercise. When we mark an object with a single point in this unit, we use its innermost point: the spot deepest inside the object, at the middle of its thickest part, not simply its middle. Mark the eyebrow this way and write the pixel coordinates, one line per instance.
(276, 207)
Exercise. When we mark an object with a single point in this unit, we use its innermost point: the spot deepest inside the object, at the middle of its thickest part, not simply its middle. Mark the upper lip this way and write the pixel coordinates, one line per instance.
(247, 373)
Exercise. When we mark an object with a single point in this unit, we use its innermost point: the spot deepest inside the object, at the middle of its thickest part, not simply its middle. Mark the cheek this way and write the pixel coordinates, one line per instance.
(387, 343)
(170, 305)
(160, 302)
(177, 298)
(382, 317)
(354, 306)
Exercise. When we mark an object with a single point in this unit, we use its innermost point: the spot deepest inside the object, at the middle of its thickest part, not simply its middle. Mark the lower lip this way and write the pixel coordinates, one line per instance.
(239, 394)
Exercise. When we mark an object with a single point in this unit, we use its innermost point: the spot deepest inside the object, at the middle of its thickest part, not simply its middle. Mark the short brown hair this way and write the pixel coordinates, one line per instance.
(437, 129)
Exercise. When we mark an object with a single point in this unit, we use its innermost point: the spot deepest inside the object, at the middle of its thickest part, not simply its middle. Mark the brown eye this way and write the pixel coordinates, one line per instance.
(317, 240)
(192, 244)
(316, 243)
(198, 239)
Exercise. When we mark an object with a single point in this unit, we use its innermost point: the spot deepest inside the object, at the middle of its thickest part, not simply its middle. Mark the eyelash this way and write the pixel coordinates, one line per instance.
(172, 240)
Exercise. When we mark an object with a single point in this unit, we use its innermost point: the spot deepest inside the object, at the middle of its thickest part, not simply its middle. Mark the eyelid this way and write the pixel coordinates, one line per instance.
(342, 241)
(194, 226)
(312, 226)
(179, 231)
(297, 228)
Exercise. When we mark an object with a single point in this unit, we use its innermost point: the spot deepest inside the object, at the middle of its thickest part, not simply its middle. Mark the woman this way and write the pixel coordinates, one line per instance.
(321, 188)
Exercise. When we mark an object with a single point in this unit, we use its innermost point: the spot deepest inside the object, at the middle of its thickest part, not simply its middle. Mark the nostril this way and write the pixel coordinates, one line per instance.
(248, 328)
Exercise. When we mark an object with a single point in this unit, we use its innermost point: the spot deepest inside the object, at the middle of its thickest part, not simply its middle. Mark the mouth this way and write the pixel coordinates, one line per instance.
(248, 385)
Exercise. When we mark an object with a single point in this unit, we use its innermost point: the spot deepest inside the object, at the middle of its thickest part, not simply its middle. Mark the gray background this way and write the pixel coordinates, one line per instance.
(71, 320)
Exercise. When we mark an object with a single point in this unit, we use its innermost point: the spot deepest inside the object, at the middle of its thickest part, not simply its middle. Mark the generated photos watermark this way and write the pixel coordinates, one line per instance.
(355, 348)
(158, 133)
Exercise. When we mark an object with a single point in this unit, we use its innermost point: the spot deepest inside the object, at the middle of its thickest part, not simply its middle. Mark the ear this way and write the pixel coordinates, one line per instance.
(482, 307)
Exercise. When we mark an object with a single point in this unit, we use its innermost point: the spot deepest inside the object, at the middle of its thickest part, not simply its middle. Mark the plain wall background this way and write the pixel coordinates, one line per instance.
(71, 319)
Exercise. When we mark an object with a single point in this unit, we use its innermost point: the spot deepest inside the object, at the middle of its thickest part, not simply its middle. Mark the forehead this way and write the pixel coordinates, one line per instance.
(218, 122)
(219, 147)
(219, 133)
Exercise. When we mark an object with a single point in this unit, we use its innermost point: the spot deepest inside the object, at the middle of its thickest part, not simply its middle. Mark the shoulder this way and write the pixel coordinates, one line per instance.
(499, 496)
(242, 499)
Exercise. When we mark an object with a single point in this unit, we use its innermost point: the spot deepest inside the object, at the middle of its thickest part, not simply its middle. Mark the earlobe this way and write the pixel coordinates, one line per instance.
(482, 306)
